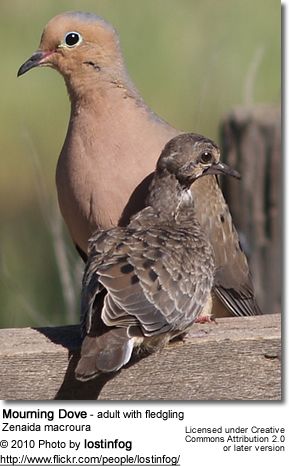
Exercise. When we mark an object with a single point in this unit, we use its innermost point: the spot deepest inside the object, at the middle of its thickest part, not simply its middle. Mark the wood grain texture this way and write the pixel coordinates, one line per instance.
(237, 359)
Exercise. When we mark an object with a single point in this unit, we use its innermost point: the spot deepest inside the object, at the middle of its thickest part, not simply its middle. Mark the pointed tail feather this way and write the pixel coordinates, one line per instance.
(105, 353)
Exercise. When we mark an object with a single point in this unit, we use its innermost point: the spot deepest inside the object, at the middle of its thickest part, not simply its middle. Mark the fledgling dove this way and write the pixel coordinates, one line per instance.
(158, 271)
(111, 147)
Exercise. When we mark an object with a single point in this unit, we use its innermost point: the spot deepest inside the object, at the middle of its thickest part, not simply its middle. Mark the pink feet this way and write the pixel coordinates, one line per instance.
(205, 319)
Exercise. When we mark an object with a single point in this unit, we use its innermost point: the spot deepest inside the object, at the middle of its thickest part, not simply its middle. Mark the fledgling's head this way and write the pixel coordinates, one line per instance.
(190, 156)
(76, 43)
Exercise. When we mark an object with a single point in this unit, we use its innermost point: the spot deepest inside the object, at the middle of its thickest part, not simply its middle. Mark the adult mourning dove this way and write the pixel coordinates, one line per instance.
(158, 271)
(111, 146)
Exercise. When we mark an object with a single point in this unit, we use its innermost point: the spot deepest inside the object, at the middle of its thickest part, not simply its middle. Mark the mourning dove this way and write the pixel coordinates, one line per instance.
(158, 271)
(111, 146)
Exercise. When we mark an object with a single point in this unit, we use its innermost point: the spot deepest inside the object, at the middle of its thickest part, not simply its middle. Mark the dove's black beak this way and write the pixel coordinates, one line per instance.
(221, 168)
(38, 58)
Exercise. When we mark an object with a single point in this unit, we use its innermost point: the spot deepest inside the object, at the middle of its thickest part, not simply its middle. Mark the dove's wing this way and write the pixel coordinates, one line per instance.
(158, 279)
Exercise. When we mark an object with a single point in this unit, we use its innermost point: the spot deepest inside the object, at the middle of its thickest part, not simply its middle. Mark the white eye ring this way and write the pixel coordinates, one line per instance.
(72, 39)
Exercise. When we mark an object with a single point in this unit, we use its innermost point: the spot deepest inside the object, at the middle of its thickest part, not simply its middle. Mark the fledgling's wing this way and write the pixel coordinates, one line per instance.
(156, 278)
(175, 270)
(102, 246)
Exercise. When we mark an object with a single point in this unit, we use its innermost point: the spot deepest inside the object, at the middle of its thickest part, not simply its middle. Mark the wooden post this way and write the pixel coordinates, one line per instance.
(237, 359)
(251, 143)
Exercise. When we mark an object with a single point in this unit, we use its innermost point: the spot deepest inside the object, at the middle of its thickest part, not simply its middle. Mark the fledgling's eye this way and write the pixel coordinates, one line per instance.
(72, 39)
(206, 157)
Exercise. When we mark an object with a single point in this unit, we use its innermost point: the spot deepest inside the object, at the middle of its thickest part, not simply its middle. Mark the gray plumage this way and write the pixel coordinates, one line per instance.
(157, 272)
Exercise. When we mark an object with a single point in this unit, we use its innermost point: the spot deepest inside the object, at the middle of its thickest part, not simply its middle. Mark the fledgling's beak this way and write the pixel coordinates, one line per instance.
(37, 59)
(222, 168)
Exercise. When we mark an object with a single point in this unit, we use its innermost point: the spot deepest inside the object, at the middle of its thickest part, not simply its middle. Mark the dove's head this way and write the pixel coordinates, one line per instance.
(191, 156)
(78, 44)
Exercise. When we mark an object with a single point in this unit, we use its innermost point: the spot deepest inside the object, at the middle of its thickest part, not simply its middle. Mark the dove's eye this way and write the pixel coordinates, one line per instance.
(72, 39)
(206, 157)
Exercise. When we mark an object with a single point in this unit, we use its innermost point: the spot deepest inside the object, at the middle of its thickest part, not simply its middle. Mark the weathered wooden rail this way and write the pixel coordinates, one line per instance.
(238, 359)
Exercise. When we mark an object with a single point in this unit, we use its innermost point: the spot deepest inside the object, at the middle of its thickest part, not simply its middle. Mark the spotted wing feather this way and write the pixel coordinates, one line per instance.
(156, 278)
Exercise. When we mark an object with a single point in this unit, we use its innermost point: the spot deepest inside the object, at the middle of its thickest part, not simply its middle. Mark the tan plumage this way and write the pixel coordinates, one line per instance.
(111, 147)
(158, 271)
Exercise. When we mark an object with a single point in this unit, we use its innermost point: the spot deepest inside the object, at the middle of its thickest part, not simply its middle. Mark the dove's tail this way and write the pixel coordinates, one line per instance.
(104, 353)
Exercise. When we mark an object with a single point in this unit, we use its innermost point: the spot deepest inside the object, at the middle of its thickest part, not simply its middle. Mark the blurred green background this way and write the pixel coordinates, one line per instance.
(192, 60)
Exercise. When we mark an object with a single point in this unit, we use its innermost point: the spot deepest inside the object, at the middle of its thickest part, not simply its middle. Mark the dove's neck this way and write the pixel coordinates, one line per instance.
(112, 144)
(94, 89)
(92, 86)
(110, 109)
(170, 199)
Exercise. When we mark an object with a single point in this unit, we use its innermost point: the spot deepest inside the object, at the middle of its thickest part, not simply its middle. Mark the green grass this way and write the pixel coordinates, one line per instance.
(191, 60)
